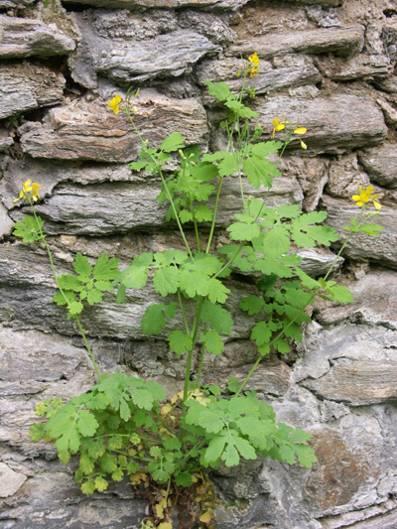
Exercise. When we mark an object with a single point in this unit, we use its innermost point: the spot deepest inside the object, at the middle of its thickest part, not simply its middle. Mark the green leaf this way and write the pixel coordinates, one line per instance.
(230, 456)
(261, 333)
(260, 172)
(29, 228)
(82, 266)
(87, 424)
(166, 280)
(106, 268)
(213, 343)
(180, 342)
(240, 231)
(94, 296)
(240, 110)
(252, 304)
(245, 449)
(174, 142)
(276, 242)
(217, 317)
(214, 450)
(155, 318)
(218, 293)
(70, 282)
(75, 308)
(306, 456)
(306, 233)
(220, 91)
(134, 276)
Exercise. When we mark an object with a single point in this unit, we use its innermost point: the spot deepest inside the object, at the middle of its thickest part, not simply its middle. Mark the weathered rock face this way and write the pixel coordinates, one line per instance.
(344, 41)
(26, 87)
(325, 119)
(381, 164)
(89, 131)
(327, 65)
(164, 4)
(23, 37)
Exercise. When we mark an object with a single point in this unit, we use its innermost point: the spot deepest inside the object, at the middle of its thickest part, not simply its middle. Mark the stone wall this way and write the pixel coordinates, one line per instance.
(326, 64)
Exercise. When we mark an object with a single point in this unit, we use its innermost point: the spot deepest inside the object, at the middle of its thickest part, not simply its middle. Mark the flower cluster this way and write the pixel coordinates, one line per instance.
(115, 103)
(254, 65)
(279, 126)
(30, 192)
(366, 196)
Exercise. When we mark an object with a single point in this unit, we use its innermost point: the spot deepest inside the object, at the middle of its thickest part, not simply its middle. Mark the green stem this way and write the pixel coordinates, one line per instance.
(183, 311)
(189, 360)
(197, 235)
(90, 353)
(175, 212)
(213, 224)
(334, 262)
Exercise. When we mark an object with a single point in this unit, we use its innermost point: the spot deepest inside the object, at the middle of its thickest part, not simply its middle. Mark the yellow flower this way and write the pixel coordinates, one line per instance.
(254, 65)
(303, 145)
(278, 125)
(366, 195)
(114, 104)
(30, 191)
(300, 131)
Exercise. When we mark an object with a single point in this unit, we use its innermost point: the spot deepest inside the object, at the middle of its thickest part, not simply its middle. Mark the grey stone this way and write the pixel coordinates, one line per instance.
(164, 4)
(10, 481)
(363, 66)
(25, 37)
(334, 3)
(342, 41)
(349, 363)
(324, 17)
(335, 124)
(37, 356)
(345, 176)
(26, 87)
(8, 4)
(120, 207)
(143, 61)
(88, 131)
(381, 164)
(5, 221)
(213, 26)
(374, 302)
(382, 248)
(5, 141)
(267, 81)
(357, 383)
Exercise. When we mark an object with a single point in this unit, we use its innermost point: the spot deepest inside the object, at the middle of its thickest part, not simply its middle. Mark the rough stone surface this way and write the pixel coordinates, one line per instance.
(325, 119)
(381, 164)
(23, 37)
(325, 64)
(90, 132)
(10, 481)
(382, 249)
(344, 41)
(131, 4)
(26, 87)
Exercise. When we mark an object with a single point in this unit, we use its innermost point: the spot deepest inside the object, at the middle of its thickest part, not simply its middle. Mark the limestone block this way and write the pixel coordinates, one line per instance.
(381, 164)
(26, 37)
(341, 41)
(88, 131)
(5, 221)
(345, 176)
(382, 249)
(26, 87)
(165, 4)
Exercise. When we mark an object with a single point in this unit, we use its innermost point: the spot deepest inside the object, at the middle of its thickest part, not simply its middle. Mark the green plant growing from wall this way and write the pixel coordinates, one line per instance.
(167, 446)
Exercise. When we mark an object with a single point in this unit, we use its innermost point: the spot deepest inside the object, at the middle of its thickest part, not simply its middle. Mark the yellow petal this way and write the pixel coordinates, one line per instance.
(27, 186)
(377, 205)
(254, 59)
(206, 517)
(165, 525)
(303, 145)
(356, 197)
(114, 103)
(300, 131)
